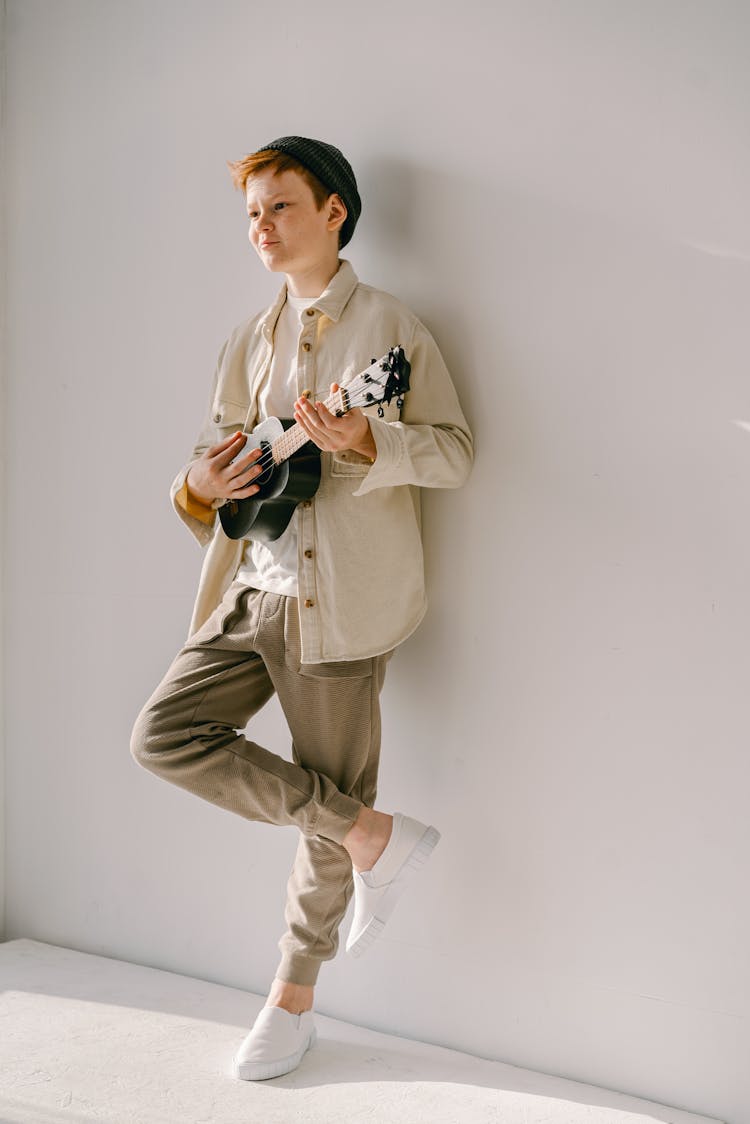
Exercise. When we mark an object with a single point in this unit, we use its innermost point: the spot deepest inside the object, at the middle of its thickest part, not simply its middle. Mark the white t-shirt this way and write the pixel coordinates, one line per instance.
(273, 566)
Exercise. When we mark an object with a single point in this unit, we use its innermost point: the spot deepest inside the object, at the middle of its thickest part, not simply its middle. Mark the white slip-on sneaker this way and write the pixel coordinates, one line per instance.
(275, 1045)
(376, 891)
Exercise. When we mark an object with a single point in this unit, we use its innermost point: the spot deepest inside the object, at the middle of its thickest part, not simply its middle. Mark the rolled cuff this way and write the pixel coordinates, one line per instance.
(205, 512)
(203, 532)
(336, 817)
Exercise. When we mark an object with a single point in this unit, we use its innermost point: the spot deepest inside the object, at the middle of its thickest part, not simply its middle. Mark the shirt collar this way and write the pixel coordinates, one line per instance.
(331, 302)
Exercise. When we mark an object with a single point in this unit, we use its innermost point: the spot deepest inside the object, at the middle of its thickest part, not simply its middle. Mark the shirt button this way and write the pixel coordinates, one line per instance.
(217, 417)
(310, 311)
(309, 603)
(308, 554)
(307, 346)
(307, 503)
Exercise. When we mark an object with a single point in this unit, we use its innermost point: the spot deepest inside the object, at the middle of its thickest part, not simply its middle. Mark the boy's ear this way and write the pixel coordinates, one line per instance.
(337, 212)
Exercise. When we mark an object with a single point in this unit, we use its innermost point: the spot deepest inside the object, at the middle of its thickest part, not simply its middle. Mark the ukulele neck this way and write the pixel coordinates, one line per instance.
(295, 437)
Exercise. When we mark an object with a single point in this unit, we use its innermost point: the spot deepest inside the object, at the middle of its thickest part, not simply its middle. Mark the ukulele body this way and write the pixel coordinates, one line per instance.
(266, 515)
(293, 474)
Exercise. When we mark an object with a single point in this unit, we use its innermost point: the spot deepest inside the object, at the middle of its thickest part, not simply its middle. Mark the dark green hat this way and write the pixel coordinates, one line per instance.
(332, 169)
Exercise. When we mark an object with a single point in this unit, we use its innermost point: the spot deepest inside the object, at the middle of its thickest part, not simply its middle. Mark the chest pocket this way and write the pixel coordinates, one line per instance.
(391, 411)
(349, 464)
(228, 417)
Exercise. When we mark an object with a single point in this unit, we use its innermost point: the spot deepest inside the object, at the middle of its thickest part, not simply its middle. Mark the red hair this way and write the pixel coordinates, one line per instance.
(277, 162)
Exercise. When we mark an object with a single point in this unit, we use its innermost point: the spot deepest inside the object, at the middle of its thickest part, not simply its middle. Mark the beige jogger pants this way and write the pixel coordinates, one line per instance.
(187, 733)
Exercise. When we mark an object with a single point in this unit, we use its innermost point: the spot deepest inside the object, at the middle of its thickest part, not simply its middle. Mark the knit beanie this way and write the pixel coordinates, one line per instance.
(332, 169)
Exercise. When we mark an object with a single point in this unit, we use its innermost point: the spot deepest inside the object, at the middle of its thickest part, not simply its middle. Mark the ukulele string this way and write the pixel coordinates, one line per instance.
(266, 460)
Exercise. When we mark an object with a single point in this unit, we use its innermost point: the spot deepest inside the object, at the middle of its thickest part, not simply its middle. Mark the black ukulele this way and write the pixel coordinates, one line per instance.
(291, 463)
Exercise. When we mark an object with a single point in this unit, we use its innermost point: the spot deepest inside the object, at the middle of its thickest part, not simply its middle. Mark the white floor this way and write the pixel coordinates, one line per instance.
(86, 1038)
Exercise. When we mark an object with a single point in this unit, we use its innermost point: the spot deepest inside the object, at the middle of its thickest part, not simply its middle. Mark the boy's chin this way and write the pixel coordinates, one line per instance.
(272, 266)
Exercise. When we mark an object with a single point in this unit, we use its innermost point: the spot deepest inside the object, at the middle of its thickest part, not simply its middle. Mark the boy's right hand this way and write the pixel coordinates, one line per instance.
(213, 476)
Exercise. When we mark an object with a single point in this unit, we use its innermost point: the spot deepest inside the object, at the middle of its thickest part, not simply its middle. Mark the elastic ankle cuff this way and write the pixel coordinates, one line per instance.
(336, 817)
(297, 969)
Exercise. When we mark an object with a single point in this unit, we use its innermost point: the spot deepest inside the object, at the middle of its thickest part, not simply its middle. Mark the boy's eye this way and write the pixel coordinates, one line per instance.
(276, 207)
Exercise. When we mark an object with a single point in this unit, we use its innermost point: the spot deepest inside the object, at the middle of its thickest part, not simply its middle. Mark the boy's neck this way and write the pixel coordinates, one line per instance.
(314, 281)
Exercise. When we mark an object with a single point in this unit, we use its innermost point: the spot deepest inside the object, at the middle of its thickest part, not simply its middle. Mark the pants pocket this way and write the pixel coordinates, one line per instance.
(229, 609)
(340, 669)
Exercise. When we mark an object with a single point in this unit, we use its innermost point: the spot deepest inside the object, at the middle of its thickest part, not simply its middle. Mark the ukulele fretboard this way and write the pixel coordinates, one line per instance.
(295, 437)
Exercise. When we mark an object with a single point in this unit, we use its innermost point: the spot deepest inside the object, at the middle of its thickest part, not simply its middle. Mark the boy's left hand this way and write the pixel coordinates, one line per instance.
(334, 434)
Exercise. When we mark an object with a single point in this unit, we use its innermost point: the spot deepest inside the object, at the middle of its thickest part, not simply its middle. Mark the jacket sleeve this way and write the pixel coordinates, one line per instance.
(431, 445)
(198, 517)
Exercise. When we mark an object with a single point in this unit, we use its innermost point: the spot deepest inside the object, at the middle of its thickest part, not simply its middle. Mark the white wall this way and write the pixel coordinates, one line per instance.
(560, 190)
(3, 435)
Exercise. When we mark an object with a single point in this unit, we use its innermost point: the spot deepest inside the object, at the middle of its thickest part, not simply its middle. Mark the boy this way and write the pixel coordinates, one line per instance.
(315, 614)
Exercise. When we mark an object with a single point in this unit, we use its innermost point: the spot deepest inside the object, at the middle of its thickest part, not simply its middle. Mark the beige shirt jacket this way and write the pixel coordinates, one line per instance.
(360, 562)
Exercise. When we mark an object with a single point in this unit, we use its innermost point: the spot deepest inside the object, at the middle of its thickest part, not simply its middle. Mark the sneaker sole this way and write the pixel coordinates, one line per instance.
(416, 860)
(264, 1071)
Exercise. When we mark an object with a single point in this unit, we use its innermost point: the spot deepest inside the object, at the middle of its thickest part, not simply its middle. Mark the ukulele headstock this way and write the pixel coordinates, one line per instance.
(386, 378)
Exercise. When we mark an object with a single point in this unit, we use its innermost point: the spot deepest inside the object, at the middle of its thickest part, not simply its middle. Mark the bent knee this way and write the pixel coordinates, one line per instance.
(152, 736)
(140, 737)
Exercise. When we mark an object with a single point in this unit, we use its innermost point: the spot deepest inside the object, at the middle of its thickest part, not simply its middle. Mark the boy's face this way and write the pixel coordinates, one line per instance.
(287, 230)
